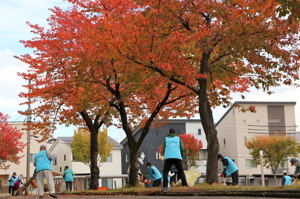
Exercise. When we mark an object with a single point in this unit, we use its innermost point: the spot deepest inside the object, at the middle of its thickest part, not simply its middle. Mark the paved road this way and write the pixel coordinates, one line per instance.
(147, 197)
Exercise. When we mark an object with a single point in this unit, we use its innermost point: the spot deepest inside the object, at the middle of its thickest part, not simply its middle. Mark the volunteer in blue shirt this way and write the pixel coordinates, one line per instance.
(173, 149)
(42, 162)
(154, 174)
(230, 169)
(11, 183)
(69, 178)
(286, 179)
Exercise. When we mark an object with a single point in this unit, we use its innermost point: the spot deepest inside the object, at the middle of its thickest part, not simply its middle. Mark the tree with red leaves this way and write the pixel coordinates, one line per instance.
(213, 48)
(192, 147)
(76, 79)
(10, 144)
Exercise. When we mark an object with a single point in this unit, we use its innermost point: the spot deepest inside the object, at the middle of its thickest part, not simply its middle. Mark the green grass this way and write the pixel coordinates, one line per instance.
(197, 188)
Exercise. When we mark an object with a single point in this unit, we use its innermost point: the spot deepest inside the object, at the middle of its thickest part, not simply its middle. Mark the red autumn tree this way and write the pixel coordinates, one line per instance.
(213, 48)
(10, 144)
(75, 74)
(192, 148)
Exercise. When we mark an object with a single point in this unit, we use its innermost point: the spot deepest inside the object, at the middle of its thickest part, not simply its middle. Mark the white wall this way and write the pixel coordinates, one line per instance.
(62, 149)
(227, 135)
(112, 168)
(107, 169)
(238, 126)
(192, 128)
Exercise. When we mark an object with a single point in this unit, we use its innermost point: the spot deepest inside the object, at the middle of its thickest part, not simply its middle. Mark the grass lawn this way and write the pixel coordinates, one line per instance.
(197, 188)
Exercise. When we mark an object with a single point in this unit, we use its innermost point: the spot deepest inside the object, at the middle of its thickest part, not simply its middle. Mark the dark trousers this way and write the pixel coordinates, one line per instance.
(156, 183)
(167, 166)
(11, 190)
(235, 178)
(69, 186)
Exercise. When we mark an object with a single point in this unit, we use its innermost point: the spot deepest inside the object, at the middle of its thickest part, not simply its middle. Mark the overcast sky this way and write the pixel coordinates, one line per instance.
(14, 14)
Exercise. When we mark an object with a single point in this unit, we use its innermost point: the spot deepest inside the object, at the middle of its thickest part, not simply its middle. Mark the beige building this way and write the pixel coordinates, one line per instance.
(236, 126)
(110, 170)
(20, 168)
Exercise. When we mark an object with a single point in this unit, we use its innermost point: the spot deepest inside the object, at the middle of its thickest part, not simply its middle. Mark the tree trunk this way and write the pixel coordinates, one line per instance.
(134, 166)
(212, 157)
(207, 121)
(274, 175)
(93, 158)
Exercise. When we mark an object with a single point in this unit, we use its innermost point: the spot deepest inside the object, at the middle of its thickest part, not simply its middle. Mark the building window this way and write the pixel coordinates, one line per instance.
(55, 162)
(157, 155)
(65, 157)
(199, 131)
(60, 169)
(224, 141)
(250, 164)
(109, 158)
(31, 158)
(107, 182)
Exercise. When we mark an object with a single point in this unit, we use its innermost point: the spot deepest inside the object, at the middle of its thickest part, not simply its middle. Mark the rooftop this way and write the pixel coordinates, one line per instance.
(68, 140)
(254, 103)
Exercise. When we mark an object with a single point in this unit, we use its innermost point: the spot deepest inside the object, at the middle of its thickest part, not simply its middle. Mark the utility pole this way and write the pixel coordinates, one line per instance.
(261, 153)
(28, 135)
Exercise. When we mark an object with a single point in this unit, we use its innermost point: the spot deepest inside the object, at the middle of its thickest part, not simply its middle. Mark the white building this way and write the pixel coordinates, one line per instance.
(20, 168)
(110, 170)
(236, 126)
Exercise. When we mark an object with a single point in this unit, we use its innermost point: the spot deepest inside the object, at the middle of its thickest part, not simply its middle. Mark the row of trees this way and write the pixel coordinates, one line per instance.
(276, 150)
(142, 60)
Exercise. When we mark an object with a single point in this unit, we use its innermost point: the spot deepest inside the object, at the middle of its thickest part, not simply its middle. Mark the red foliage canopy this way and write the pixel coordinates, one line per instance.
(10, 144)
(191, 143)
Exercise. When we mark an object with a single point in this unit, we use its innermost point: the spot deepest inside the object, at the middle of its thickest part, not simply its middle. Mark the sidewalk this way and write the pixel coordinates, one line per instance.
(4, 195)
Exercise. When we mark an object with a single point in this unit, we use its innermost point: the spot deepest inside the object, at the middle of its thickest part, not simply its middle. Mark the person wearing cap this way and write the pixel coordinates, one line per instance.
(230, 169)
(154, 174)
(11, 183)
(173, 149)
(295, 163)
(43, 164)
(286, 179)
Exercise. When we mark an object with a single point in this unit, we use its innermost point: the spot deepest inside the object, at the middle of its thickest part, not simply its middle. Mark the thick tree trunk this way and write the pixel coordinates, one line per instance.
(207, 121)
(212, 157)
(93, 158)
(134, 166)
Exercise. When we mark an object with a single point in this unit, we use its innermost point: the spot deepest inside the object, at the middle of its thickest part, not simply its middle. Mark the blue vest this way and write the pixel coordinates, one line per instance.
(287, 180)
(172, 148)
(68, 175)
(154, 173)
(231, 167)
(12, 181)
(42, 161)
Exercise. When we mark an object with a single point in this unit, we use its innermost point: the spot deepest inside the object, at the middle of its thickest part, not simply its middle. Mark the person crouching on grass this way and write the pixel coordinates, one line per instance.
(230, 169)
(154, 174)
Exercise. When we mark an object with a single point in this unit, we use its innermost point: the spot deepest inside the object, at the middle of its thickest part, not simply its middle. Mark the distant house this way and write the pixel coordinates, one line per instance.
(155, 138)
(236, 126)
(110, 170)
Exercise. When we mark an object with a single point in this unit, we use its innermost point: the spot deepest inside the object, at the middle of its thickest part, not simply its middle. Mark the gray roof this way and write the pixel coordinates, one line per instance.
(169, 121)
(253, 102)
(68, 140)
